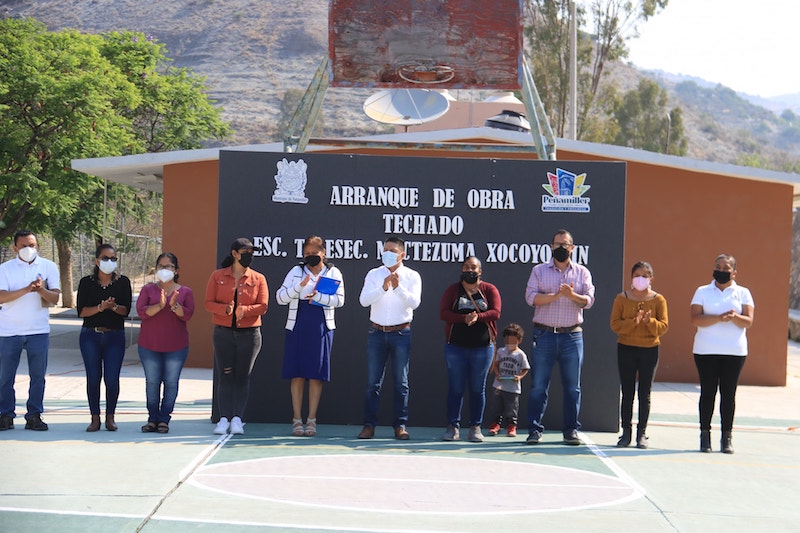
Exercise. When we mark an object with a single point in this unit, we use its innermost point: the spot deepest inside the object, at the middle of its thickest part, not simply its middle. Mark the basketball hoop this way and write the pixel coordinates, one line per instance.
(426, 74)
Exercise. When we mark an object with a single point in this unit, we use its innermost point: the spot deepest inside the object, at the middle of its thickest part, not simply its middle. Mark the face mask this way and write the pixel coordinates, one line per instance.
(245, 259)
(389, 259)
(560, 254)
(640, 283)
(165, 275)
(312, 260)
(27, 254)
(722, 276)
(107, 267)
(469, 277)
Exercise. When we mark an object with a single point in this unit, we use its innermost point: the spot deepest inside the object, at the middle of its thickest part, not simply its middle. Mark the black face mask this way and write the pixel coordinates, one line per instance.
(245, 259)
(722, 276)
(469, 277)
(312, 260)
(560, 254)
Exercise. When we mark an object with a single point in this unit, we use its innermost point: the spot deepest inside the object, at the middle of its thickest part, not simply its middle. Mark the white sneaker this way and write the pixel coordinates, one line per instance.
(222, 426)
(237, 428)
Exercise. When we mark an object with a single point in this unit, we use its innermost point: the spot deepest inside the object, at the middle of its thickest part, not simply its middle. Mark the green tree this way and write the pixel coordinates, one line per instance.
(66, 95)
(603, 39)
(644, 122)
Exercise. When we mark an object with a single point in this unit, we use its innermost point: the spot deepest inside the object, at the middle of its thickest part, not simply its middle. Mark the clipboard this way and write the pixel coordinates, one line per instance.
(326, 286)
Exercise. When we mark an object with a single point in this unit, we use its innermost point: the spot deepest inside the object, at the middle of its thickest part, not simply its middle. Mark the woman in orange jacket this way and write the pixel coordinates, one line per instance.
(236, 296)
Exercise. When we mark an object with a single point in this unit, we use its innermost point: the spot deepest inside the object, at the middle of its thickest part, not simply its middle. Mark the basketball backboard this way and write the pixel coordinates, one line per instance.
(458, 44)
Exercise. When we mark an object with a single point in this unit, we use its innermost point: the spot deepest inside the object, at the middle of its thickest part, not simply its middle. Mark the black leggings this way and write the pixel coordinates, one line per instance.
(718, 371)
(633, 360)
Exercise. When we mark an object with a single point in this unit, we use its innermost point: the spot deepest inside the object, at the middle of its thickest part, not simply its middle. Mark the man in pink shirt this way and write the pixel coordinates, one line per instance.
(559, 290)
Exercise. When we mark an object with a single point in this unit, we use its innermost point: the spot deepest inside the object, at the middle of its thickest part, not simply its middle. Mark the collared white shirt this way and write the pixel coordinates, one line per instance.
(395, 306)
(722, 338)
(27, 315)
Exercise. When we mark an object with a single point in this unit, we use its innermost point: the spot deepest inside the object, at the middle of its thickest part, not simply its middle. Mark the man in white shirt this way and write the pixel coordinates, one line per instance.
(29, 285)
(392, 292)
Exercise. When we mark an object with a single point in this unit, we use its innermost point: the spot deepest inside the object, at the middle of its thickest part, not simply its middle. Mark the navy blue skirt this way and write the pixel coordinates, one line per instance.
(307, 348)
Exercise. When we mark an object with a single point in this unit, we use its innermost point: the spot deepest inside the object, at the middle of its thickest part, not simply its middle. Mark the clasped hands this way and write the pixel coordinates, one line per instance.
(392, 280)
(172, 301)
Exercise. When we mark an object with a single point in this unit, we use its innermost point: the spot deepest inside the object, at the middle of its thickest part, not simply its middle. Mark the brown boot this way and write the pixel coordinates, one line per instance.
(95, 425)
(110, 424)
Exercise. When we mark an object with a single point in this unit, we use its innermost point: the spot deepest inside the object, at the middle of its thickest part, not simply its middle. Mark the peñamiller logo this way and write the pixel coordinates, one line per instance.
(566, 193)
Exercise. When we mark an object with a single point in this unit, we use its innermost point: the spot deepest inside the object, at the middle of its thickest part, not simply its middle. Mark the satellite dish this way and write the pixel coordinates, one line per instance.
(406, 107)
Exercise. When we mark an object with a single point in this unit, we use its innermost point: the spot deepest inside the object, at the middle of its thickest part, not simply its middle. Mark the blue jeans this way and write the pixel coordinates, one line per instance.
(161, 367)
(467, 368)
(394, 345)
(36, 347)
(102, 357)
(567, 349)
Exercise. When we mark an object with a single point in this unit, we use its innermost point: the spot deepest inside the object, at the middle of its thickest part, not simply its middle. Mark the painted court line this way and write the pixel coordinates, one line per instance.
(413, 484)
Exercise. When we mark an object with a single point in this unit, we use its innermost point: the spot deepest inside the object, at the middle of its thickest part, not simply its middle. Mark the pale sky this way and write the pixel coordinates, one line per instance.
(751, 46)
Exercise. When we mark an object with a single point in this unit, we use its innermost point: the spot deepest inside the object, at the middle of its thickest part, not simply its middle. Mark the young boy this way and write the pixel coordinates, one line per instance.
(509, 367)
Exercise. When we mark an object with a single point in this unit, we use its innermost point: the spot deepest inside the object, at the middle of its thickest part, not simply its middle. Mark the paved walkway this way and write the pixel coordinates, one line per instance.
(68, 480)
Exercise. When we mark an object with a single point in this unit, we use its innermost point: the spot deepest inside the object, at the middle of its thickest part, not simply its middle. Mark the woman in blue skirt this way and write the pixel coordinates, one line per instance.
(312, 290)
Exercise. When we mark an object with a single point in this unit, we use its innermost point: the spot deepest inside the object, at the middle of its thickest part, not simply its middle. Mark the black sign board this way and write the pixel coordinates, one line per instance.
(503, 211)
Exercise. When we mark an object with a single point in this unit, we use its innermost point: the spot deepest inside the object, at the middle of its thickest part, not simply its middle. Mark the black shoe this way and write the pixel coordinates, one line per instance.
(571, 438)
(534, 437)
(35, 423)
(6, 422)
(726, 444)
(625, 439)
(641, 441)
(705, 441)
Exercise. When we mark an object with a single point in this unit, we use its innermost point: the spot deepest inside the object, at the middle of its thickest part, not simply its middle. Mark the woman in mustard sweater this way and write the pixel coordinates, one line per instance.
(639, 318)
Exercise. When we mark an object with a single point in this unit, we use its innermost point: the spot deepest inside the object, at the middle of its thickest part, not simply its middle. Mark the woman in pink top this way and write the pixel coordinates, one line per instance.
(164, 308)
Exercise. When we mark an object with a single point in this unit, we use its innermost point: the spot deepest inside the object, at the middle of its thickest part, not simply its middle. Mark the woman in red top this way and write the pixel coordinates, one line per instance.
(164, 308)
(236, 296)
(470, 310)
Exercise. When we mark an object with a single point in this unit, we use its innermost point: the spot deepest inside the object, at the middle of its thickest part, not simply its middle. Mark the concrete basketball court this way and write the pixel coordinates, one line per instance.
(266, 480)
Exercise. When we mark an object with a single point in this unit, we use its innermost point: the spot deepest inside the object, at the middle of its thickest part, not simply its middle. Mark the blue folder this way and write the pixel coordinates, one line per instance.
(326, 286)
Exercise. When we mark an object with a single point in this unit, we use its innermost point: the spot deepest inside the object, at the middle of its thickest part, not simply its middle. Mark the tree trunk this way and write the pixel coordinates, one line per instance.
(65, 270)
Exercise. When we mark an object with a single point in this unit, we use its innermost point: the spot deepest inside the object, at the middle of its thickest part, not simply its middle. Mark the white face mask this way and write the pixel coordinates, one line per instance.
(107, 267)
(640, 283)
(389, 259)
(27, 254)
(165, 275)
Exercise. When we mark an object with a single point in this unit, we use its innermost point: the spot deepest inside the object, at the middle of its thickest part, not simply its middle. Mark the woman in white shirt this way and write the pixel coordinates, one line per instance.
(722, 312)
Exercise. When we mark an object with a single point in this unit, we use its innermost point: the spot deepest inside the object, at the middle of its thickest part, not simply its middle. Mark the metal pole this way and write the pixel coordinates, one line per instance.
(105, 210)
(669, 127)
(573, 71)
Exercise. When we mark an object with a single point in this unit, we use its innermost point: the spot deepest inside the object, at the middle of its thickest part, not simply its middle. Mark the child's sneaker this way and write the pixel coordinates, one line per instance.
(494, 429)
(511, 430)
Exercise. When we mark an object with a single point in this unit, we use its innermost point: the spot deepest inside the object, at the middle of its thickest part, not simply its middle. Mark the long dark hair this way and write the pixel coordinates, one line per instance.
(173, 259)
(97, 252)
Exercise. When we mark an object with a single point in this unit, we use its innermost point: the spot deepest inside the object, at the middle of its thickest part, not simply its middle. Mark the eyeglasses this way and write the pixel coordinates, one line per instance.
(562, 244)
(165, 267)
(108, 258)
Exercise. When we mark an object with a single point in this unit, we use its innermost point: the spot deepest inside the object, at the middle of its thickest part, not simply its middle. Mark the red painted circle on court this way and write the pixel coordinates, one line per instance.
(400, 483)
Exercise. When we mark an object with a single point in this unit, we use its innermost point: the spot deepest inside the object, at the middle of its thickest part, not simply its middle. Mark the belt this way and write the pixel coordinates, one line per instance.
(102, 330)
(553, 329)
(389, 329)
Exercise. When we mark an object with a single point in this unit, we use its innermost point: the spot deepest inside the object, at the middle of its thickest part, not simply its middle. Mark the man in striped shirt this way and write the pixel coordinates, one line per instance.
(559, 291)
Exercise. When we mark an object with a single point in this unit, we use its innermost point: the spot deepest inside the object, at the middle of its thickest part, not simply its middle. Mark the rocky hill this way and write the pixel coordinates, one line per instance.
(258, 53)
